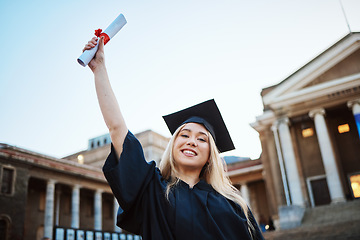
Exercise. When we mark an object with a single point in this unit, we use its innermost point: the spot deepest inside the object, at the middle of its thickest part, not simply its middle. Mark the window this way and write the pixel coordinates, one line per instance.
(5, 226)
(355, 185)
(308, 132)
(7, 176)
(343, 128)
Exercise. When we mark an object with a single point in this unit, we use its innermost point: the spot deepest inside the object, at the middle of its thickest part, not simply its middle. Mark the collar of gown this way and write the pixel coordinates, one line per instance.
(202, 185)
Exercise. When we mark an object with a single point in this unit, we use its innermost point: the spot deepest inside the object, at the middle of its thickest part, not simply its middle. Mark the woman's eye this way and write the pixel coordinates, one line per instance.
(202, 140)
(184, 135)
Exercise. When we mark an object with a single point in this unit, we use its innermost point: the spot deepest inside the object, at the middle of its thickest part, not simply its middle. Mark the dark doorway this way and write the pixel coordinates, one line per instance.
(320, 192)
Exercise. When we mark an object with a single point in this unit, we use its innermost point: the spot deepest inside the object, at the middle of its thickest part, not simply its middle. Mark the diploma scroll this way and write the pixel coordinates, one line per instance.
(110, 31)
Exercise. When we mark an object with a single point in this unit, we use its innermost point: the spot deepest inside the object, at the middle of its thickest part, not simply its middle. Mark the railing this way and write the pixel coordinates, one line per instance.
(62, 233)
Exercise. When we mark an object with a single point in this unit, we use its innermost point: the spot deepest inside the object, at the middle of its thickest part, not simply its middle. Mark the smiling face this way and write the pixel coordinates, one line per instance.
(191, 149)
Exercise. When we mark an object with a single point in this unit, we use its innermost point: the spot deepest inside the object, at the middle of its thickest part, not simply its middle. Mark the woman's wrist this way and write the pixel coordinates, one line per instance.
(99, 69)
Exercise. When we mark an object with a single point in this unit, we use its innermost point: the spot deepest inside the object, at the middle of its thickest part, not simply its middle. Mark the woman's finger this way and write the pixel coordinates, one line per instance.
(94, 40)
(101, 44)
(88, 47)
(90, 44)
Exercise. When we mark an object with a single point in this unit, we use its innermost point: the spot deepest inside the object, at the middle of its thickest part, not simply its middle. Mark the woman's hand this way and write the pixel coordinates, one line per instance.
(99, 59)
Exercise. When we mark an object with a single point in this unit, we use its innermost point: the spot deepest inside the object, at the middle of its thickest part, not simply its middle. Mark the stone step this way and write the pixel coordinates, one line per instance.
(330, 222)
(334, 213)
(337, 231)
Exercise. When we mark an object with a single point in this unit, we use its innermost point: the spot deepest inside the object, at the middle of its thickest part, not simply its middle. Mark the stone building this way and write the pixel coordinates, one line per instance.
(45, 196)
(40, 194)
(309, 131)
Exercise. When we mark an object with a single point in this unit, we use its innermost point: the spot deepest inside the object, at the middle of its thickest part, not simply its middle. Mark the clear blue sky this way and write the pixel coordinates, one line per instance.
(170, 55)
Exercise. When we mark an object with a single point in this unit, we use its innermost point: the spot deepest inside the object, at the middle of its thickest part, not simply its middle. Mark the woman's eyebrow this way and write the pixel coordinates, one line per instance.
(189, 130)
(185, 129)
(204, 133)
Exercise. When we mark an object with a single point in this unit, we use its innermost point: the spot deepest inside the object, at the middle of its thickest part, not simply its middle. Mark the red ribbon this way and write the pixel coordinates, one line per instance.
(100, 34)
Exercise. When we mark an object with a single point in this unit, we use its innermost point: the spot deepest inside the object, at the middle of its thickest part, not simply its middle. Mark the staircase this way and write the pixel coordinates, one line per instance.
(331, 222)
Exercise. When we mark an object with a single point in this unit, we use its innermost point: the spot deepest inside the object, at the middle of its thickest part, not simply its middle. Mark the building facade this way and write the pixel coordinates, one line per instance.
(42, 196)
(40, 193)
(309, 131)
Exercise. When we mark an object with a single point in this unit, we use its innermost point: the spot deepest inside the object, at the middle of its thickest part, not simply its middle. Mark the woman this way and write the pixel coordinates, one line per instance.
(189, 197)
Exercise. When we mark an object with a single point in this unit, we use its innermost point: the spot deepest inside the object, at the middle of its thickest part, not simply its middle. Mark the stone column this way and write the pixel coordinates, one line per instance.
(291, 169)
(281, 163)
(328, 157)
(116, 207)
(354, 105)
(244, 189)
(75, 207)
(98, 210)
(49, 209)
(57, 209)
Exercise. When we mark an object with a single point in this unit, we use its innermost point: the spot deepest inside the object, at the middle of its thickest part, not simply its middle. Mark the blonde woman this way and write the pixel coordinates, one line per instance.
(189, 197)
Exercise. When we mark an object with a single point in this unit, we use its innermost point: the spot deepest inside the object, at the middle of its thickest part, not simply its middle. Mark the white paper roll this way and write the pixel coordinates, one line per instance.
(111, 31)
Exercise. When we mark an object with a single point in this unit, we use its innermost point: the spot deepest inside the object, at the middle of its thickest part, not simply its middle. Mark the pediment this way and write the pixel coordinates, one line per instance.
(346, 67)
(337, 67)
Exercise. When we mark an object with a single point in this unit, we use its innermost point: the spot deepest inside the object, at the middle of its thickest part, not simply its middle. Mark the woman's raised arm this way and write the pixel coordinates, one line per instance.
(108, 104)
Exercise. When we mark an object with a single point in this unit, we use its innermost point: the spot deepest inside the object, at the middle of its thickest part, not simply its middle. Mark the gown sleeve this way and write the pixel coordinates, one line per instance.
(128, 178)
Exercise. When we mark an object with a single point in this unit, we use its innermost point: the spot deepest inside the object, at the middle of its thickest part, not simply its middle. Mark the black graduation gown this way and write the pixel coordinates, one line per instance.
(190, 213)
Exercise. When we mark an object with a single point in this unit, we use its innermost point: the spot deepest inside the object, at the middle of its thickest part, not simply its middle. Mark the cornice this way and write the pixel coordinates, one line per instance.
(315, 91)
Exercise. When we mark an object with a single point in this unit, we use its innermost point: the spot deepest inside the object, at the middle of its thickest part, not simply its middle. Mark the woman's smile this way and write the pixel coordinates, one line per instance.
(189, 152)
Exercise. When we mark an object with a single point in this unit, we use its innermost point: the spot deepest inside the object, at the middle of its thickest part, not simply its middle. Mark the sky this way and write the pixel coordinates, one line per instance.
(170, 55)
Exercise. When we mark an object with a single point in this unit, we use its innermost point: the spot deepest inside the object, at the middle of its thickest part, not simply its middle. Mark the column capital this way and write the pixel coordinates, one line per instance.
(51, 181)
(76, 186)
(99, 191)
(274, 126)
(316, 111)
(283, 120)
(351, 103)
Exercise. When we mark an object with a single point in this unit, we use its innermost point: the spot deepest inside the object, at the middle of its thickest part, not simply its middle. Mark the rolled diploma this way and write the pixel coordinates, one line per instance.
(111, 31)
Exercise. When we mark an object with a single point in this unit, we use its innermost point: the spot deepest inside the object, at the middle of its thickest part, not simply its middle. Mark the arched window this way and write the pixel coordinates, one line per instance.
(4, 227)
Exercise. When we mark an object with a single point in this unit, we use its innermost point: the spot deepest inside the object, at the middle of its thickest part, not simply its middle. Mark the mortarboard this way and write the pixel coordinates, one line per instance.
(206, 113)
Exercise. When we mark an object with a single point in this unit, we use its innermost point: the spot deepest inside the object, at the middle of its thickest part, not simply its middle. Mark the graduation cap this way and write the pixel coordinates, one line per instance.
(206, 113)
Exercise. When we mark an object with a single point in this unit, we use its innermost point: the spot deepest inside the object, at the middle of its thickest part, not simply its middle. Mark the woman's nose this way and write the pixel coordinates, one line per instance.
(191, 142)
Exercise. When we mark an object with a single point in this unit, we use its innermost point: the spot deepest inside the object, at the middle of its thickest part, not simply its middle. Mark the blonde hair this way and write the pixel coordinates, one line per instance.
(213, 173)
